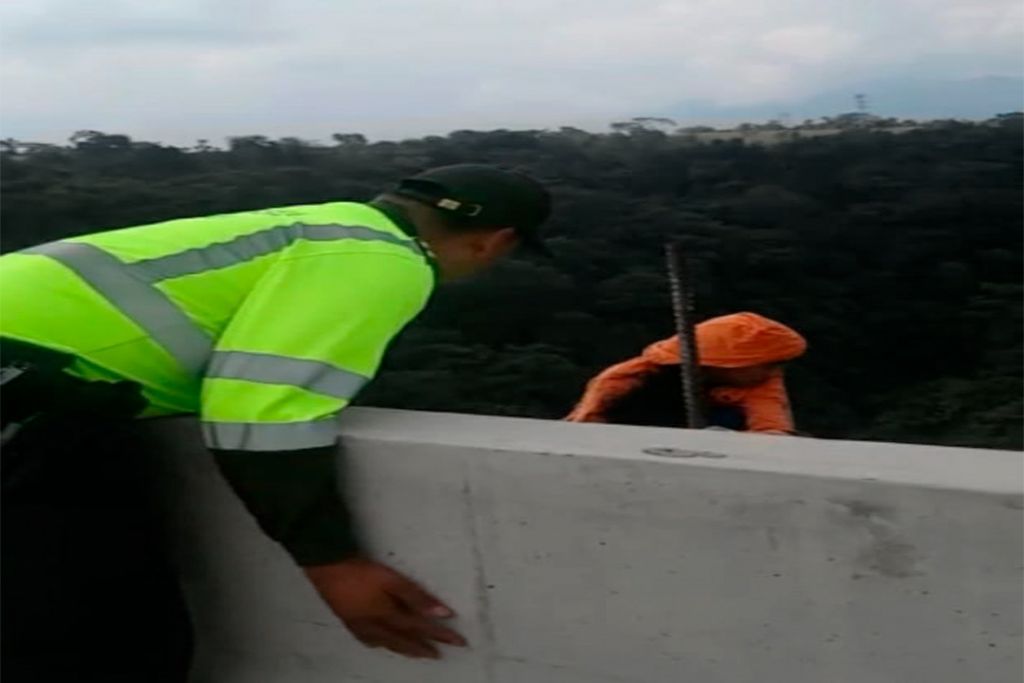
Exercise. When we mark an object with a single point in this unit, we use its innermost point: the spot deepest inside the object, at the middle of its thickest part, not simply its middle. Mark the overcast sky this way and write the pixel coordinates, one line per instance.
(177, 70)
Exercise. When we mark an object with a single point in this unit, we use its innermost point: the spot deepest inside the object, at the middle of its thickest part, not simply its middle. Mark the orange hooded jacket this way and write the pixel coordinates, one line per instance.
(730, 341)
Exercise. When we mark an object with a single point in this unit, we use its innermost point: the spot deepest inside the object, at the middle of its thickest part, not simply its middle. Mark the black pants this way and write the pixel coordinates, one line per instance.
(87, 593)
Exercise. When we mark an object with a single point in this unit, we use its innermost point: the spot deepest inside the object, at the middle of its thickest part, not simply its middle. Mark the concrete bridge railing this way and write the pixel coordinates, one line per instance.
(603, 554)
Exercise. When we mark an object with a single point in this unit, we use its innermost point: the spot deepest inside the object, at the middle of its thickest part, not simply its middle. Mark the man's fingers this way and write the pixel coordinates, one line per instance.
(386, 635)
(423, 628)
(418, 600)
(409, 647)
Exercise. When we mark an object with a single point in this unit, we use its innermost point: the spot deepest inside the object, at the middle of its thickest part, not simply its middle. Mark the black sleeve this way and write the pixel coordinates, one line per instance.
(296, 499)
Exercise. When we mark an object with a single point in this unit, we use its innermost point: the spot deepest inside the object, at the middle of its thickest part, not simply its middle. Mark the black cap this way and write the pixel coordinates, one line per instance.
(485, 196)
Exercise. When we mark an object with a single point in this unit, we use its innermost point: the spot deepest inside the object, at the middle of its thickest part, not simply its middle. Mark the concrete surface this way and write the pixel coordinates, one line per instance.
(572, 556)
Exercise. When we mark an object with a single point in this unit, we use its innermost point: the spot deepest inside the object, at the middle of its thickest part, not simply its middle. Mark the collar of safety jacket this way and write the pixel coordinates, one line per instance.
(400, 217)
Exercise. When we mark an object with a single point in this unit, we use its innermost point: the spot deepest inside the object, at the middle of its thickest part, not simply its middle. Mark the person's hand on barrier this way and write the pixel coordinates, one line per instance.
(592, 418)
(382, 608)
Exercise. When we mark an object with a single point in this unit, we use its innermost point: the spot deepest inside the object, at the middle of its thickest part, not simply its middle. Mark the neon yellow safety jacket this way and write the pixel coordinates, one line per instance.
(266, 323)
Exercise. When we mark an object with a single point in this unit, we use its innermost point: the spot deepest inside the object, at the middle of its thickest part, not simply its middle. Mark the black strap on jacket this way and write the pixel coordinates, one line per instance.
(34, 385)
(294, 495)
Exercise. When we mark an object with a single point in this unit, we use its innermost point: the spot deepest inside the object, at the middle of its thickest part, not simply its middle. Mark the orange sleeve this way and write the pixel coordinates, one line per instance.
(609, 386)
(767, 407)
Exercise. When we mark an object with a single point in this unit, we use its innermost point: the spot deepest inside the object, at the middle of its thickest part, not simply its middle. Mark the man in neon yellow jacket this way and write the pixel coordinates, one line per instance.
(264, 323)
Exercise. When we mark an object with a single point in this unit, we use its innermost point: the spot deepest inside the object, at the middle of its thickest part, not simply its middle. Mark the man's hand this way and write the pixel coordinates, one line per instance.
(382, 608)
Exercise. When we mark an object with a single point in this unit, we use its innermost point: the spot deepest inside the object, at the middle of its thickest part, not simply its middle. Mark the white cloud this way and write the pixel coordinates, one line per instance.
(809, 44)
(180, 68)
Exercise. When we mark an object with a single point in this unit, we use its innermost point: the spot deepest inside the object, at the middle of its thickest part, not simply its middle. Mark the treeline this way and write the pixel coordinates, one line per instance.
(898, 256)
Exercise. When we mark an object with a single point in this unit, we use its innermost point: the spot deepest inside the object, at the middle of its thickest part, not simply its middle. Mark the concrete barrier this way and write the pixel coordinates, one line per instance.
(574, 556)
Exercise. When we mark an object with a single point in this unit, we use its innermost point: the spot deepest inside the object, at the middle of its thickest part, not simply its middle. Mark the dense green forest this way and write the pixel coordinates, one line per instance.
(897, 254)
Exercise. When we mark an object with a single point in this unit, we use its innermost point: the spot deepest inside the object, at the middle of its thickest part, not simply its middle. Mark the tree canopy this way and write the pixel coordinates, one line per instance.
(897, 253)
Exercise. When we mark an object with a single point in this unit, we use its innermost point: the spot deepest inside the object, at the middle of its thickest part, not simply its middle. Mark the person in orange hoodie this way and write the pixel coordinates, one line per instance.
(741, 357)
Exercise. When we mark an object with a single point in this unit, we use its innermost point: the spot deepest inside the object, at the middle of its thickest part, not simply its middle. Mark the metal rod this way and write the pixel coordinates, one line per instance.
(684, 311)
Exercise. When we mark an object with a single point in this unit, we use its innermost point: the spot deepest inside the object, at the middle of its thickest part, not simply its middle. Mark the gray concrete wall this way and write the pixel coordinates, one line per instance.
(572, 556)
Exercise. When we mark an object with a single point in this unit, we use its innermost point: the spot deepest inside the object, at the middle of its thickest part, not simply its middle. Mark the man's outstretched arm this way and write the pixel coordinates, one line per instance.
(311, 333)
(296, 500)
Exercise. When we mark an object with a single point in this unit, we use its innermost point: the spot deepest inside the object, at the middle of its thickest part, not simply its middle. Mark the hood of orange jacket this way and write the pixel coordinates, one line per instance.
(734, 341)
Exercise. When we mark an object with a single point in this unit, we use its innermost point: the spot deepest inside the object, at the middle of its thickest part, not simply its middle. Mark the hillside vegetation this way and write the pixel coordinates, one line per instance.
(897, 255)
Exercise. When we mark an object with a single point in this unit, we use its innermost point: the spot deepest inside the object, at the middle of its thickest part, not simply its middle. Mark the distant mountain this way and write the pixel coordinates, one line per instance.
(973, 98)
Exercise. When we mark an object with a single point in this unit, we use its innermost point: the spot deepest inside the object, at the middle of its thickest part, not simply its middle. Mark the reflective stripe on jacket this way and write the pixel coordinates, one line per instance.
(266, 323)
